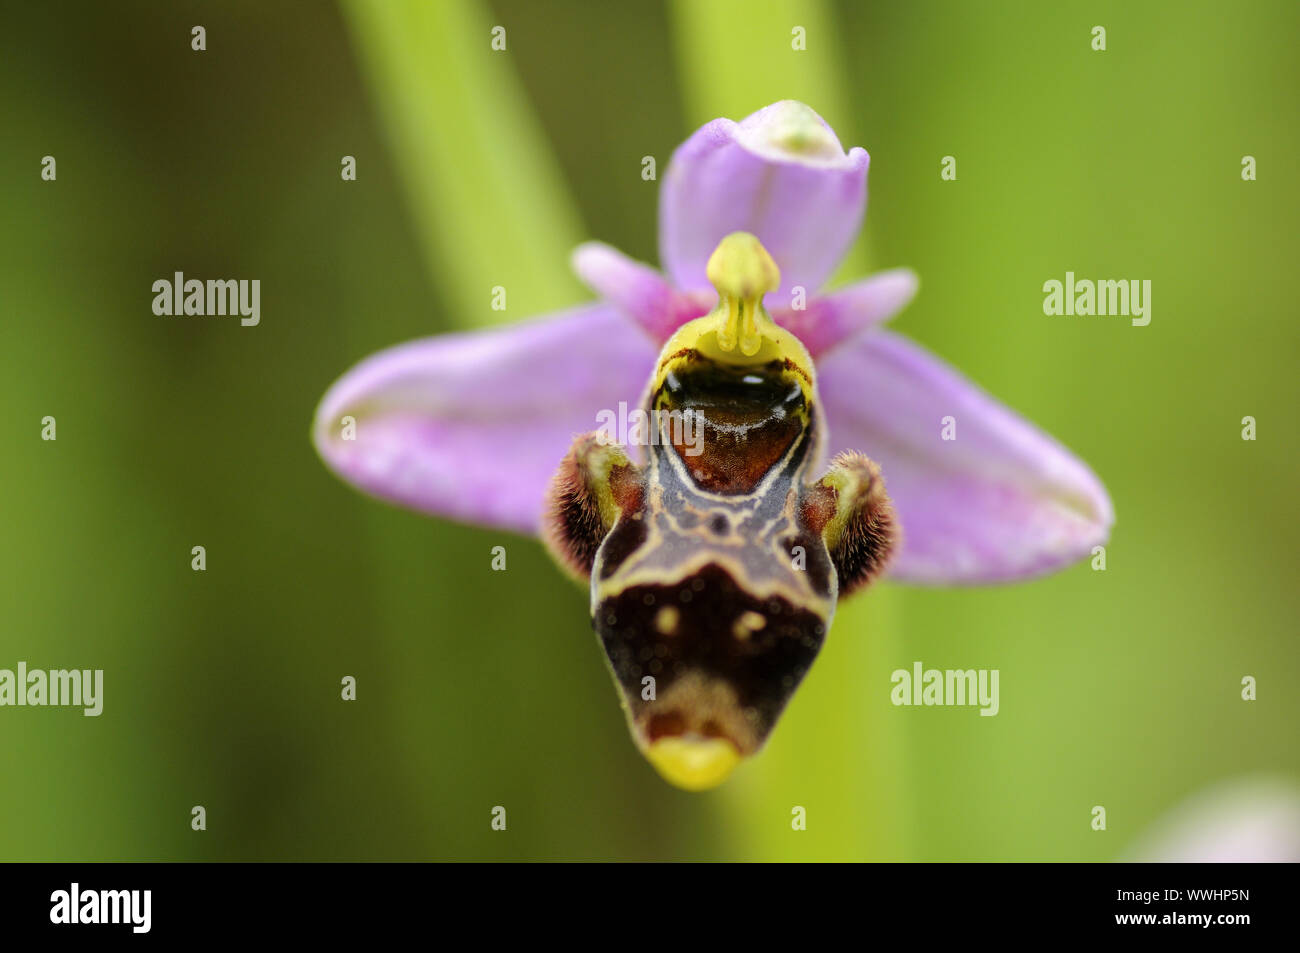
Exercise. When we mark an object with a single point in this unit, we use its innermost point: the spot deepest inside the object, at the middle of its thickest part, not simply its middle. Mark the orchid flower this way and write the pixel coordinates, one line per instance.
(473, 426)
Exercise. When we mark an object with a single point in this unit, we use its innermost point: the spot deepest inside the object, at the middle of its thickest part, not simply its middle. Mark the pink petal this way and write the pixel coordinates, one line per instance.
(1244, 820)
(780, 174)
(471, 426)
(638, 290)
(831, 319)
(1000, 502)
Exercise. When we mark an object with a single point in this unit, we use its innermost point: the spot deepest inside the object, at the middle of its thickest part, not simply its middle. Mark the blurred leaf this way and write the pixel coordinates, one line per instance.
(736, 56)
(490, 203)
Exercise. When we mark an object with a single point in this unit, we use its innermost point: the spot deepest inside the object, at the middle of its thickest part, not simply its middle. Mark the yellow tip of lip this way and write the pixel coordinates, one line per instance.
(693, 764)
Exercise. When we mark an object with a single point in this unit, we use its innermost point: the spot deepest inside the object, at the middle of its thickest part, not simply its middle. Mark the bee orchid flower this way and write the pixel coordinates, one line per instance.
(695, 591)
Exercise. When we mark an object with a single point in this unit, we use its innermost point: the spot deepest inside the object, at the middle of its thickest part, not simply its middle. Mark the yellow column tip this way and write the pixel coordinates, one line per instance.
(742, 271)
(740, 267)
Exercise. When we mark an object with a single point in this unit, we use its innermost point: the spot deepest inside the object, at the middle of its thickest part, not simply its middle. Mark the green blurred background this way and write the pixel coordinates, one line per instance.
(477, 168)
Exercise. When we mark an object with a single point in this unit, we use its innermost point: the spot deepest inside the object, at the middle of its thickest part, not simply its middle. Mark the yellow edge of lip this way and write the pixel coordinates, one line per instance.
(693, 765)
